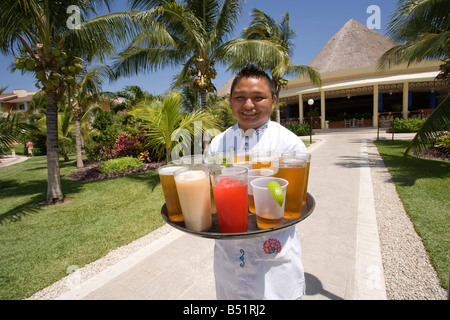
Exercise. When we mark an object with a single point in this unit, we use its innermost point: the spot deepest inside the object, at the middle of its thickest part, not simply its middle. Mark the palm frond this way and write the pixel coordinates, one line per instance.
(434, 126)
(299, 70)
(239, 51)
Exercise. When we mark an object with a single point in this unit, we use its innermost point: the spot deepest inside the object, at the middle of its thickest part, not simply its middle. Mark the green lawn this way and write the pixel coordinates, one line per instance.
(38, 244)
(423, 186)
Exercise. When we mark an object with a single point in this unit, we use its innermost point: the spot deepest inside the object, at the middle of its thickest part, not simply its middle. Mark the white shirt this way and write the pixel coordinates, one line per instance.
(265, 267)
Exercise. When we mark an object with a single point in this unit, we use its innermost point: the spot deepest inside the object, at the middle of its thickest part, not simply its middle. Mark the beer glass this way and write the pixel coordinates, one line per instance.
(293, 169)
(307, 157)
(263, 159)
(170, 192)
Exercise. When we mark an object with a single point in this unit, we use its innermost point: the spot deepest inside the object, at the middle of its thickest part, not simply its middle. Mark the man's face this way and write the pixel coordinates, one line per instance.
(252, 103)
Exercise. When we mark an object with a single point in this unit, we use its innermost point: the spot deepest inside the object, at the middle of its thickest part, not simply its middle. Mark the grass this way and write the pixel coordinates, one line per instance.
(423, 186)
(38, 243)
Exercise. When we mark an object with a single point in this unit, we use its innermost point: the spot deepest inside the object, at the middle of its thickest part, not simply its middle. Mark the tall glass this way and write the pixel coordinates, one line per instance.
(240, 156)
(194, 193)
(252, 175)
(307, 157)
(170, 192)
(219, 158)
(247, 165)
(262, 159)
(269, 214)
(194, 159)
(231, 196)
(293, 169)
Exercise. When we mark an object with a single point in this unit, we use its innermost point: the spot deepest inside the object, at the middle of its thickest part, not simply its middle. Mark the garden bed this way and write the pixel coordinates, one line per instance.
(92, 171)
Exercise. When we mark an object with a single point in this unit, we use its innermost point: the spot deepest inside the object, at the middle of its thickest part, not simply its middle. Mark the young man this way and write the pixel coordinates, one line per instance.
(249, 268)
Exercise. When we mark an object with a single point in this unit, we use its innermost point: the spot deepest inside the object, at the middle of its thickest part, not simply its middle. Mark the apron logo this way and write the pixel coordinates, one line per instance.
(242, 258)
(272, 246)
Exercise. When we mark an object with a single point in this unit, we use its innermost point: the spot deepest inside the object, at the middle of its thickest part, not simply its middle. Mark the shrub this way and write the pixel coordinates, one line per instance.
(129, 145)
(120, 164)
(442, 143)
(410, 125)
(299, 129)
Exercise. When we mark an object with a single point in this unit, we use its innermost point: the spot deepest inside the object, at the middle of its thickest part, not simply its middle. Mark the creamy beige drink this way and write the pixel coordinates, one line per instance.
(194, 193)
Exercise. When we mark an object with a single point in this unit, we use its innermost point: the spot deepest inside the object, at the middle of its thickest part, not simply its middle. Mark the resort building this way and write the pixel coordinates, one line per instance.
(18, 100)
(355, 92)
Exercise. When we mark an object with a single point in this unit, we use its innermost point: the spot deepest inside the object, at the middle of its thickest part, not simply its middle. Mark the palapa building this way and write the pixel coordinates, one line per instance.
(355, 92)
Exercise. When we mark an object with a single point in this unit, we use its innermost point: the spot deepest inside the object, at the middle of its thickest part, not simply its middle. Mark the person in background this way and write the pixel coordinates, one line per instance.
(30, 147)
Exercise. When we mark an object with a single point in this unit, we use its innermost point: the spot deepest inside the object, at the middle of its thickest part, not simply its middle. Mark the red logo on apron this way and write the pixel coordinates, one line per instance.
(272, 246)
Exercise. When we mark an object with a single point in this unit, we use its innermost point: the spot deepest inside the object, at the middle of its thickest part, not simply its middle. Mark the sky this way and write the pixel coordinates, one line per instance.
(314, 23)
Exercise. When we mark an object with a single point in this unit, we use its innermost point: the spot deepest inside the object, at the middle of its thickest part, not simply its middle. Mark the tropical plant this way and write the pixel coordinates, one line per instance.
(168, 128)
(87, 92)
(12, 127)
(436, 125)
(221, 108)
(264, 29)
(120, 164)
(187, 33)
(422, 31)
(132, 95)
(39, 31)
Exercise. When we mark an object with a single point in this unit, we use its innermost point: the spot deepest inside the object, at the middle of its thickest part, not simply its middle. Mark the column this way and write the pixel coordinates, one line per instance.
(376, 100)
(322, 109)
(405, 99)
(300, 108)
(432, 104)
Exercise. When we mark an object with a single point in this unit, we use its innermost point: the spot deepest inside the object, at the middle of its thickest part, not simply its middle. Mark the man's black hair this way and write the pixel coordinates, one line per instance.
(252, 71)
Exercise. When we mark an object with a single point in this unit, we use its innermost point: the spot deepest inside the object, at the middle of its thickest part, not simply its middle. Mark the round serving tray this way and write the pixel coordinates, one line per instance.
(253, 230)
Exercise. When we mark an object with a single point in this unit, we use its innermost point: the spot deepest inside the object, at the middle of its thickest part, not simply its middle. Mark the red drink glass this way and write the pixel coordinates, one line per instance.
(231, 195)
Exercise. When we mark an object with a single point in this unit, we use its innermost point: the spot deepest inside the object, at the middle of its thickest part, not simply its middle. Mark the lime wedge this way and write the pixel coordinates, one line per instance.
(276, 191)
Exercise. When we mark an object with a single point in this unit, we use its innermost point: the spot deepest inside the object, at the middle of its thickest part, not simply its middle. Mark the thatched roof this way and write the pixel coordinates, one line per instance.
(353, 46)
(225, 88)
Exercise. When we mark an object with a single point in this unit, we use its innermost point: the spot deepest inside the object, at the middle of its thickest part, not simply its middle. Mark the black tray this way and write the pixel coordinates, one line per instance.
(253, 230)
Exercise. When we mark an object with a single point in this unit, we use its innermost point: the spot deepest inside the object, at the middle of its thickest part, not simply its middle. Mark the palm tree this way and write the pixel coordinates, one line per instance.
(132, 95)
(191, 34)
(422, 29)
(87, 91)
(165, 123)
(38, 30)
(263, 28)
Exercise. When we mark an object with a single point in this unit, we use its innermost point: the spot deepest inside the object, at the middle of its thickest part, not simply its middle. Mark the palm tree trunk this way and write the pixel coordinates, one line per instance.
(277, 110)
(78, 137)
(54, 193)
(203, 98)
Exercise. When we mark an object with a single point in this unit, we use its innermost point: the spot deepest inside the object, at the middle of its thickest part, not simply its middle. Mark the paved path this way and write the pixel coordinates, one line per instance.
(341, 251)
(10, 160)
